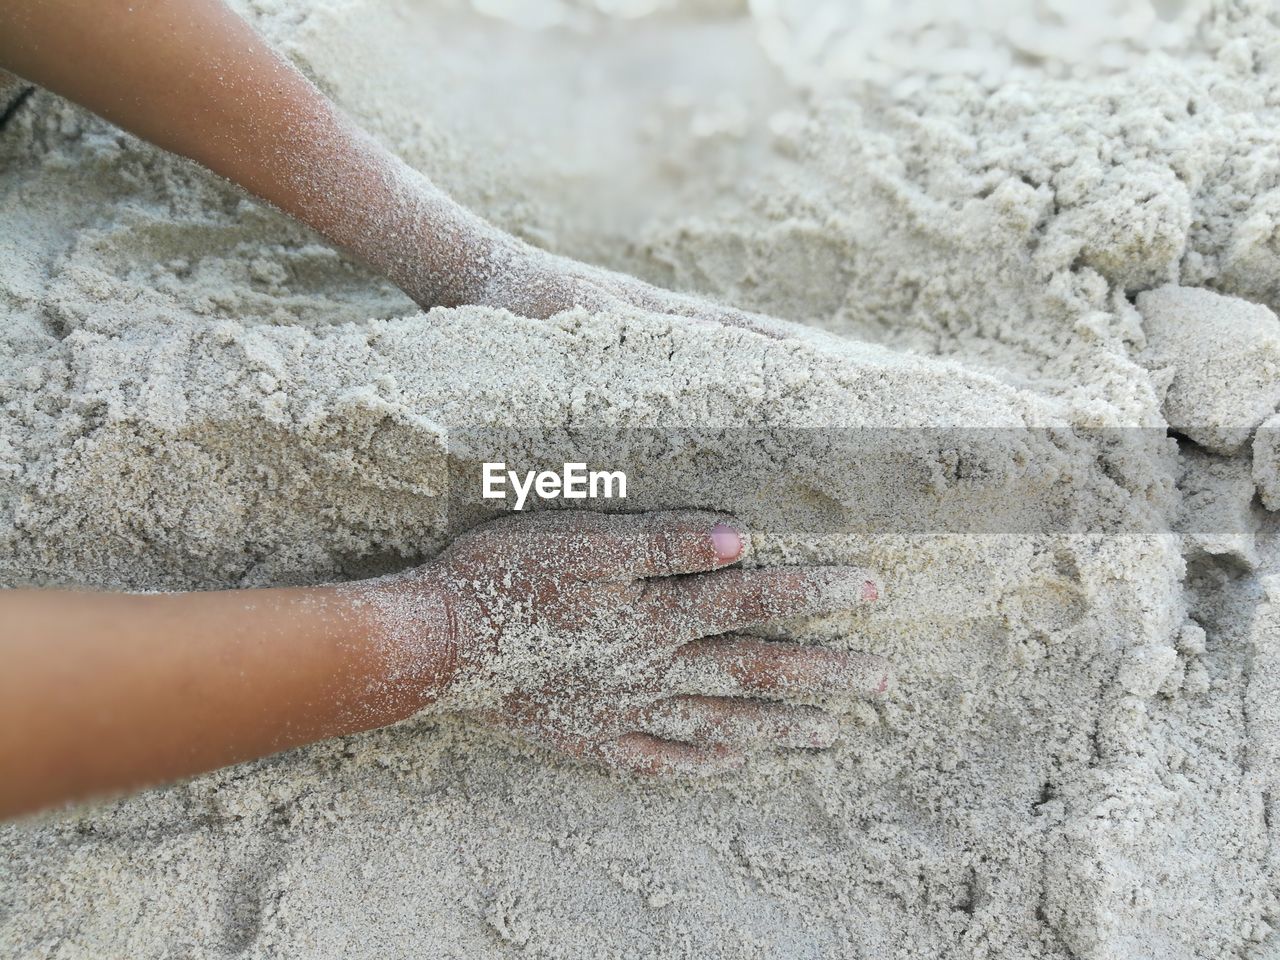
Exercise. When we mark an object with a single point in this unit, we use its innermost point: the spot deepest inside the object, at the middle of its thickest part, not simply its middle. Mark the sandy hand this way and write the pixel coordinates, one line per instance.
(445, 255)
(611, 638)
(539, 285)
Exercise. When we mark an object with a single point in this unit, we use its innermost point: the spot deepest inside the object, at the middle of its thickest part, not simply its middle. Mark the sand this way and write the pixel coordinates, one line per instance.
(1019, 229)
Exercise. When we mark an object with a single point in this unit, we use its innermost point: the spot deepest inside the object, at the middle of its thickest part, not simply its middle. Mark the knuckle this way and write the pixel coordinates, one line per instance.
(663, 546)
(756, 597)
(657, 601)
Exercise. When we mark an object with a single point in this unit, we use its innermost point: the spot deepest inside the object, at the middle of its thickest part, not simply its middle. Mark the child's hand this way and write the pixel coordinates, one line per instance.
(531, 283)
(196, 79)
(606, 638)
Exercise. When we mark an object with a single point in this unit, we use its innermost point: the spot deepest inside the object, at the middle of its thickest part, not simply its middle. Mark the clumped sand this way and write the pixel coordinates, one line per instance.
(1081, 751)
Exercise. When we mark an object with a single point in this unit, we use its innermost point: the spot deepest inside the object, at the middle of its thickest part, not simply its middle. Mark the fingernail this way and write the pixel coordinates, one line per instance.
(727, 541)
(866, 676)
(882, 682)
(841, 588)
(824, 732)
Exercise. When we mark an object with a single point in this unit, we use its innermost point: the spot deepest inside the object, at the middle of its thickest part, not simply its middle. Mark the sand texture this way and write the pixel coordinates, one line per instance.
(1022, 230)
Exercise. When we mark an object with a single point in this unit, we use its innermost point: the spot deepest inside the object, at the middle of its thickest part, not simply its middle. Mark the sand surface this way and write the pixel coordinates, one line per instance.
(1025, 227)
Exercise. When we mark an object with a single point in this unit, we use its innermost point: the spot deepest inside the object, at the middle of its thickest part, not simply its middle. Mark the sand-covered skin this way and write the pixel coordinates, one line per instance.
(1078, 754)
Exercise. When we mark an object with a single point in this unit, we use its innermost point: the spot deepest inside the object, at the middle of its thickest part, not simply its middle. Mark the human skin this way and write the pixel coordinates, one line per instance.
(617, 640)
(194, 78)
(102, 693)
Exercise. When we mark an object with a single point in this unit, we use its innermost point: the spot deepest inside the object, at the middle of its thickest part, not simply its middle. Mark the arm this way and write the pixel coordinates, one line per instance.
(625, 657)
(193, 77)
(101, 692)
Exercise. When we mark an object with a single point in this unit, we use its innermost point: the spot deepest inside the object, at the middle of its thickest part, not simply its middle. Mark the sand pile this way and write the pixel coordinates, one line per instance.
(1081, 753)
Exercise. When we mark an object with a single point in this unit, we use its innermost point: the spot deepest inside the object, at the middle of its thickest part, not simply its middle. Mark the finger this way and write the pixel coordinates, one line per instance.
(708, 311)
(641, 294)
(543, 296)
(712, 312)
(729, 317)
(740, 722)
(734, 599)
(645, 754)
(673, 543)
(618, 547)
(747, 665)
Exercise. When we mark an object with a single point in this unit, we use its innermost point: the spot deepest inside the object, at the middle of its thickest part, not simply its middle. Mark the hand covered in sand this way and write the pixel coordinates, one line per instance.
(535, 284)
(609, 638)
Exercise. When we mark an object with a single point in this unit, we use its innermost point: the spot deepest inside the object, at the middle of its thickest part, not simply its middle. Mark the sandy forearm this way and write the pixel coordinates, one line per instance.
(192, 77)
(196, 79)
(103, 692)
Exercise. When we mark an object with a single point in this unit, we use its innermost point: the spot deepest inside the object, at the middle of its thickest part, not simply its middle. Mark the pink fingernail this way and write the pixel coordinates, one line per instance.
(727, 541)
(824, 736)
(870, 591)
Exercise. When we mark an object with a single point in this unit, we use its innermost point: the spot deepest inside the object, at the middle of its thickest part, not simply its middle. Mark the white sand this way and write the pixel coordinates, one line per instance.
(1082, 752)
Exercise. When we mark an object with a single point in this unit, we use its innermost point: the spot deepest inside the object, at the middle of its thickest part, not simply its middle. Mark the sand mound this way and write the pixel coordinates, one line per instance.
(1082, 751)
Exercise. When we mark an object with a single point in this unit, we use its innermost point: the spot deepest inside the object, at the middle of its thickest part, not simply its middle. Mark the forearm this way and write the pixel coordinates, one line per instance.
(104, 692)
(194, 78)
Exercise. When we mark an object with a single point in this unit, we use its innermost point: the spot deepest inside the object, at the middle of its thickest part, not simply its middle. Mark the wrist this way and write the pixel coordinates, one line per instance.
(409, 625)
(437, 251)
